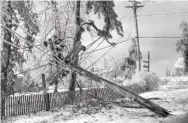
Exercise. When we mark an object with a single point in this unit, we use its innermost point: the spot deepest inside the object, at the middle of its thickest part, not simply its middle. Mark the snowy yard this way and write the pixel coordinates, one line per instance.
(173, 97)
(52, 48)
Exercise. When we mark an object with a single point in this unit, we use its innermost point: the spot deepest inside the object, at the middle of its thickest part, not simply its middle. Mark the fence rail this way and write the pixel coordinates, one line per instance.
(19, 105)
(24, 104)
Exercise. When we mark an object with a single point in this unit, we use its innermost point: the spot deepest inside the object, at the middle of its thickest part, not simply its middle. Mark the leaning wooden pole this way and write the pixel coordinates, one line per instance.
(125, 92)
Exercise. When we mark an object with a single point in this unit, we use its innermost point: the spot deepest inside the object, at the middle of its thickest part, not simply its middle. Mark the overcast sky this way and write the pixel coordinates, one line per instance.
(163, 51)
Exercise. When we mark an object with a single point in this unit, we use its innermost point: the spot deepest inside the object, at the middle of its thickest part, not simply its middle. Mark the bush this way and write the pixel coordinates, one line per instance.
(118, 80)
(164, 81)
(143, 81)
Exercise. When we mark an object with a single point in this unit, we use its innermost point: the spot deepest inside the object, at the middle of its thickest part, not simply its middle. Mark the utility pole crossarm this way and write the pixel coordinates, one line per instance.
(134, 6)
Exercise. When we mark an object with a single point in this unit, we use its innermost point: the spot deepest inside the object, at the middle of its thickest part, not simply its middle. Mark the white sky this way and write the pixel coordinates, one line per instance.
(163, 53)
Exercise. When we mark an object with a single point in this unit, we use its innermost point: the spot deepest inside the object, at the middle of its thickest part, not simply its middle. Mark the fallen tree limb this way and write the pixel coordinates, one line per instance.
(117, 103)
(124, 92)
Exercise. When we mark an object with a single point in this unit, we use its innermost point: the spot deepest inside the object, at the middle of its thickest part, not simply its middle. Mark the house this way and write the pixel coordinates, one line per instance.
(18, 85)
(19, 81)
(179, 67)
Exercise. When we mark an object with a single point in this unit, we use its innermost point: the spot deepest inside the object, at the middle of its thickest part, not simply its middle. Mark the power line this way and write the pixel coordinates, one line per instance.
(166, 14)
(98, 45)
(123, 42)
(155, 15)
(11, 44)
(88, 46)
(49, 76)
(105, 52)
(99, 58)
(32, 69)
(110, 45)
(30, 34)
(91, 51)
(15, 45)
(158, 37)
(63, 64)
(74, 68)
(60, 61)
(106, 47)
(28, 69)
(128, 38)
(30, 43)
(121, 19)
(21, 27)
(39, 41)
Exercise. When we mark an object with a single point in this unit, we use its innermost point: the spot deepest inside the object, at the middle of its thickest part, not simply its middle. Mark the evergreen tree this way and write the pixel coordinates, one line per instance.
(182, 44)
(129, 63)
(14, 12)
(102, 8)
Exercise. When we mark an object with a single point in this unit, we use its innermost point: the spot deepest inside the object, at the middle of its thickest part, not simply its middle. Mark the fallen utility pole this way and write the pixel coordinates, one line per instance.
(125, 92)
(135, 7)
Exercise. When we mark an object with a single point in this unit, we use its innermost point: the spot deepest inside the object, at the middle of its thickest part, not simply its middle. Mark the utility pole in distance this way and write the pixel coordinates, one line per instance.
(135, 7)
(147, 63)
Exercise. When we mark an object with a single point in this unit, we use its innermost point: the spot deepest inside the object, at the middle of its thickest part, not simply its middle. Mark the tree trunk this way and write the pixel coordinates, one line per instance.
(186, 60)
(5, 66)
(56, 85)
(74, 61)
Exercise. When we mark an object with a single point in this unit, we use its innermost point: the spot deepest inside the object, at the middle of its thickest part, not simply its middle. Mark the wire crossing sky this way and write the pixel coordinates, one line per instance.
(159, 31)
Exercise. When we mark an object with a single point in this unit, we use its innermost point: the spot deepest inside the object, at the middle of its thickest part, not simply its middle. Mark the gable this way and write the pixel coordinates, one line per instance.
(179, 63)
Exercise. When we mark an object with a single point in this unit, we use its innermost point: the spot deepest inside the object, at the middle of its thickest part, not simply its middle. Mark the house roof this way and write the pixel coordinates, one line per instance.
(179, 63)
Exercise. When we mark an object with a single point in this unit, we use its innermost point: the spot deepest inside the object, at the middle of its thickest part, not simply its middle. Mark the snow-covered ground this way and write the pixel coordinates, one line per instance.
(175, 78)
(169, 97)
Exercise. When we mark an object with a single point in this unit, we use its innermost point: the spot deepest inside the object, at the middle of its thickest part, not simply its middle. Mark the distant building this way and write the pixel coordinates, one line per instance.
(19, 83)
(179, 67)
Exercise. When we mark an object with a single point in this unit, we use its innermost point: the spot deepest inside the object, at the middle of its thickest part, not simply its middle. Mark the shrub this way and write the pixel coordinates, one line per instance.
(118, 80)
(143, 81)
(164, 81)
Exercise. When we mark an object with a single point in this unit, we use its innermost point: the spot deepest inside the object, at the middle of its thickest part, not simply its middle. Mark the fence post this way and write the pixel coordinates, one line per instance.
(2, 107)
(46, 95)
